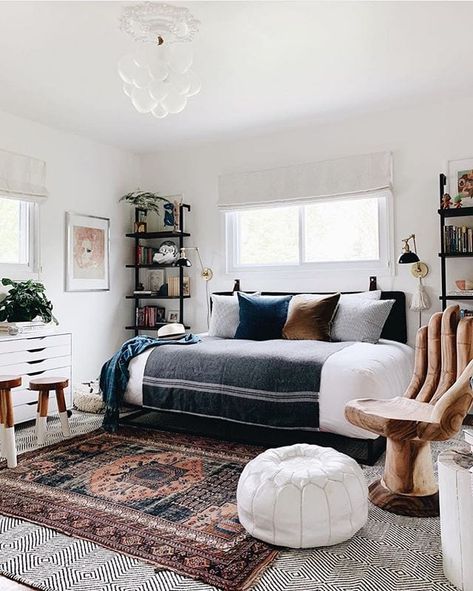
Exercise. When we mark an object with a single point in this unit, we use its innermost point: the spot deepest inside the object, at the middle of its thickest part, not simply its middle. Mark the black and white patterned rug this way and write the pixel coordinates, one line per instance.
(390, 552)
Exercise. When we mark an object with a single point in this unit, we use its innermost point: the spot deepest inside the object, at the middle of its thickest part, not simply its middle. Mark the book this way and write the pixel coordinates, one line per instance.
(15, 328)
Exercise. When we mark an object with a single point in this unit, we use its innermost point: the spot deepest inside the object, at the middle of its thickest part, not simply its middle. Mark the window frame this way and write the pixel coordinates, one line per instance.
(383, 265)
(29, 224)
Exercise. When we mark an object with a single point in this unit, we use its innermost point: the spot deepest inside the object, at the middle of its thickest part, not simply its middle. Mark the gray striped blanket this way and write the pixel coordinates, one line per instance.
(271, 383)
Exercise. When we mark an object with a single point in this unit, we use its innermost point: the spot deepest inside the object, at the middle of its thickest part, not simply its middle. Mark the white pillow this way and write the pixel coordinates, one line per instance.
(360, 319)
(225, 316)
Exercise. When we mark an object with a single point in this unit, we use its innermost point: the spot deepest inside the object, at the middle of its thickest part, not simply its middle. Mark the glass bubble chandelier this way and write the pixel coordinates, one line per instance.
(157, 76)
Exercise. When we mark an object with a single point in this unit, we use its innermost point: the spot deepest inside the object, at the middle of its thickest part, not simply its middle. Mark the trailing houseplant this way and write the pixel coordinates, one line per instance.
(145, 200)
(25, 301)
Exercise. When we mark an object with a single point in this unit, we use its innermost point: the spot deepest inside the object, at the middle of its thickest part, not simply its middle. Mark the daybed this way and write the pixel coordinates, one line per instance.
(288, 386)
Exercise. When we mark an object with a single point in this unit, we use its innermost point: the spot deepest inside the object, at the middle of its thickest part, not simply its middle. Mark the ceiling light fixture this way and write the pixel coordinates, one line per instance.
(157, 77)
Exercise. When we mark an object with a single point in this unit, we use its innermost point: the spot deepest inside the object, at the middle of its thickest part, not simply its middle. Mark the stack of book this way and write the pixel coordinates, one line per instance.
(458, 239)
(173, 287)
(25, 328)
(149, 316)
(144, 255)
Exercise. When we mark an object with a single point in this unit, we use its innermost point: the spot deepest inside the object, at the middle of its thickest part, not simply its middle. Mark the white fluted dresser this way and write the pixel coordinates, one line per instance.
(35, 356)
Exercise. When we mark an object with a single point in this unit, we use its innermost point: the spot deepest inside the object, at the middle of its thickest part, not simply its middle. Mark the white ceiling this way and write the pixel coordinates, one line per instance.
(263, 65)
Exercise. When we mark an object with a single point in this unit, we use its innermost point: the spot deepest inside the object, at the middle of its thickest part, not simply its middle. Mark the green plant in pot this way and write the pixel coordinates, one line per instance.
(145, 200)
(25, 301)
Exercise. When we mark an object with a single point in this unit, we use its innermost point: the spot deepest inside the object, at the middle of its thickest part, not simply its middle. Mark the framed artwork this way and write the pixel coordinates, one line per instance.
(460, 180)
(155, 280)
(87, 253)
(186, 286)
(173, 316)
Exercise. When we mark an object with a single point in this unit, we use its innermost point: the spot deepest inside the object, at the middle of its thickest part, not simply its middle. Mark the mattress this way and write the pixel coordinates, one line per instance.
(361, 370)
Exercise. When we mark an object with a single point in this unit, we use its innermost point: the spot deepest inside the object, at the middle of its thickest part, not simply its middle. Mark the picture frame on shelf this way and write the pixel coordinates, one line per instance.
(460, 181)
(156, 279)
(173, 316)
(87, 252)
(160, 315)
(186, 286)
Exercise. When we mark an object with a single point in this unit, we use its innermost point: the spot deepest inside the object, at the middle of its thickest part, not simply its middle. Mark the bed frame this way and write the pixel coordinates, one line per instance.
(365, 451)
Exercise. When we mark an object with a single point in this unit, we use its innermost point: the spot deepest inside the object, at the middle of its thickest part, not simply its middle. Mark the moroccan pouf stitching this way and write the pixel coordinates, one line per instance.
(302, 496)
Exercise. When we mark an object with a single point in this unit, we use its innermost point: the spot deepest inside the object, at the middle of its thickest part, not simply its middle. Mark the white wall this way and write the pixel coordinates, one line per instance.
(422, 138)
(88, 178)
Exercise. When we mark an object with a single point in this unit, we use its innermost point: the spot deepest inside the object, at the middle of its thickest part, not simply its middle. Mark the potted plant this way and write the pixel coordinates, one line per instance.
(25, 301)
(146, 201)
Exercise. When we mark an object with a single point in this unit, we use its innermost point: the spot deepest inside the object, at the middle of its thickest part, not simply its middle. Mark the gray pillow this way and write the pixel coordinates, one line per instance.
(225, 316)
(360, 319)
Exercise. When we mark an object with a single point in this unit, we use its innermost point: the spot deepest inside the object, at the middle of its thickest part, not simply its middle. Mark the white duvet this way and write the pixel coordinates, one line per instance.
(361, 370)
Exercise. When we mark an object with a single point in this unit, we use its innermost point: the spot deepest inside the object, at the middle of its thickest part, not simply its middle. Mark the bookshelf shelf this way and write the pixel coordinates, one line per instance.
(446, 244)
(150, 311)
(148, 296)
(156, 327)
(155, 235)
(452, 255)
(151, 266)
(455, 213)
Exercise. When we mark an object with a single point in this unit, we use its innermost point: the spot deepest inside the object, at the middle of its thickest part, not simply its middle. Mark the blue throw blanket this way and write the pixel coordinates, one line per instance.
(114, 375)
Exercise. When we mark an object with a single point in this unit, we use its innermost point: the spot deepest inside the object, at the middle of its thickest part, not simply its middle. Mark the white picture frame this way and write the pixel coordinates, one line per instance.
(456, 170)
(173, 316)
(87, 252)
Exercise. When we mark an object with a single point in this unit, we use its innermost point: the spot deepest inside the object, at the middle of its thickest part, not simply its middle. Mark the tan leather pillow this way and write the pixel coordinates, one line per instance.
(309, 317)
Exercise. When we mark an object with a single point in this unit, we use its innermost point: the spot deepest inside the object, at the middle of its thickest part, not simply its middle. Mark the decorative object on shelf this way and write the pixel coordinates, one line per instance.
(157, 77)
(167, 253)
(446, 201)
(173, 316)
(458, 200)
(87, 253)
(145, 201)
(141, 223)
(177, 202)
(160, 315)
(186, 286)
(24, 302)
(155, 280)
(464, 284)
(460, 181)
(205, 272)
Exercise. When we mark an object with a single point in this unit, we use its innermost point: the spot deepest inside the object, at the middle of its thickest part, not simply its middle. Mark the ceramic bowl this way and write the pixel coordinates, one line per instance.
(464, 284)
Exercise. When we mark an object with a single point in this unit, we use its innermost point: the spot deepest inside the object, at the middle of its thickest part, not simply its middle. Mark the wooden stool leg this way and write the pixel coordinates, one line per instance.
(408, 486)
(61, 405)
(41, 421)
(9, 444)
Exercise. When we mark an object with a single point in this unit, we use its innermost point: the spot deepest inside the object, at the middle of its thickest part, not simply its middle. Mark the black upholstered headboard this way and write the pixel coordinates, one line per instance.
(395, 328)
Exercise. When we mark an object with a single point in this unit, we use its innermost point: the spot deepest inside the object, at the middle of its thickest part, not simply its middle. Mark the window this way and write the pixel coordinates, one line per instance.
(346, 232)
(17, 235)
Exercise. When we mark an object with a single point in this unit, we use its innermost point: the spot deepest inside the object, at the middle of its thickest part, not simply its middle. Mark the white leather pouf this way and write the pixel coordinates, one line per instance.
(302, 496)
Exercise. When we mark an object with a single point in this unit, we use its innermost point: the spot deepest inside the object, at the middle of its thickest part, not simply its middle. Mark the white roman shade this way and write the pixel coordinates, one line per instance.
(330, 178)
(22, 177)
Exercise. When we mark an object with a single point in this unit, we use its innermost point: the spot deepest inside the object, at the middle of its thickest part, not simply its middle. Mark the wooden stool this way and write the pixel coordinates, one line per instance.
(7, 422)
(44, 386)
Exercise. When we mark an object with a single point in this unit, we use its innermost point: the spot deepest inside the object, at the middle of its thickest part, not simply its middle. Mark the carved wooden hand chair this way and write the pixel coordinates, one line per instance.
(432, 409)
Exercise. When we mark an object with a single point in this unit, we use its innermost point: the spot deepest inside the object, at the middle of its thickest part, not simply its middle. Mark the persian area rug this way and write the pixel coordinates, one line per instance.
(164, 498)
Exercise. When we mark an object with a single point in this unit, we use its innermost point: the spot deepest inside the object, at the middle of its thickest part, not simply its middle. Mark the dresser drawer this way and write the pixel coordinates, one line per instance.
(32, 368)
(22, 395)
(38, 354)
(29, 343)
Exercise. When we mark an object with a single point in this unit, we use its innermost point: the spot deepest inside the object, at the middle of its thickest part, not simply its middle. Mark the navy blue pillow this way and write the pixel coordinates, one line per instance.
(261, 317)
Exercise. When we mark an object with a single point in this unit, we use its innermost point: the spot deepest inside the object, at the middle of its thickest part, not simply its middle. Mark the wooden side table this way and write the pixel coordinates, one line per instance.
(7, 420)
(43, 386)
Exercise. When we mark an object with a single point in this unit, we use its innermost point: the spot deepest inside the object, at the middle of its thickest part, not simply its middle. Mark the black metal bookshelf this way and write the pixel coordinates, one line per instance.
(158, 236)
(444, 214)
